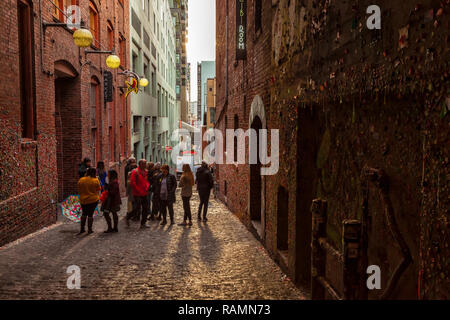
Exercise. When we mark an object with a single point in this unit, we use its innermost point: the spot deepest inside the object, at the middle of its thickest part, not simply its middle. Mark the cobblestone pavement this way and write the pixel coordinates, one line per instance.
(217, 260)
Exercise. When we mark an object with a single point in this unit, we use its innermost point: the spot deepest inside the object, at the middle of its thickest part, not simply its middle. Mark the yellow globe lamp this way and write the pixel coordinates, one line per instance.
(82, 38)
(143, 82)
(113, 61)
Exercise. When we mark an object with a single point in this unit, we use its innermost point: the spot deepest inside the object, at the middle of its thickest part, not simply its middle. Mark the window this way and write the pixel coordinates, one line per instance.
(93, 22)
(153, 84)
(212, 117)
(136, 124)
(95, 116)
(135, 62)
(25, 22)
(60, 7)
(146, 89)
(110, 30)
(258, 15)
(135, 22)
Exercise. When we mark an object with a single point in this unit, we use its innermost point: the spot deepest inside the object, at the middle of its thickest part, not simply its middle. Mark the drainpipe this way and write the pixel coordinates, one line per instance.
(40, 36)
(226, 51)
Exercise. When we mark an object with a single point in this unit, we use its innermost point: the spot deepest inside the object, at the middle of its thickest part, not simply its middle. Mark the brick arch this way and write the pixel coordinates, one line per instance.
(257, 110)
(64, 69)
(68, 126)
(256, 190)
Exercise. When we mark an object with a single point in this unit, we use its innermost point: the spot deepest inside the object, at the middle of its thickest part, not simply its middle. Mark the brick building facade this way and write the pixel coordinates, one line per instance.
(345, 98)
(52, 109)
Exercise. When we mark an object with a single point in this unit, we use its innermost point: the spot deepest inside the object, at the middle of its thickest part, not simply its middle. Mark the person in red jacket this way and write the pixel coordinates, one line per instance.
(139, 186)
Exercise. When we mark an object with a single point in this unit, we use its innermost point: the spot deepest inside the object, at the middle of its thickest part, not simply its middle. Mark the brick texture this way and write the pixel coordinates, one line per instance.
(345, 97)
(36, 174)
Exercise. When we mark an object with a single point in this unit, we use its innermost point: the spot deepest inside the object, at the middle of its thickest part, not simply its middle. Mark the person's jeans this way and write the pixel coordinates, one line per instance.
(164, 205)
(115, 219)
(204, 201)
(141, 203)
(149, 199)
(156, 206)
(187, 208)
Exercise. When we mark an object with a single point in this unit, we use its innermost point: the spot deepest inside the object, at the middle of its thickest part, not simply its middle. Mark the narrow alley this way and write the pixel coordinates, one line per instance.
(217, 260)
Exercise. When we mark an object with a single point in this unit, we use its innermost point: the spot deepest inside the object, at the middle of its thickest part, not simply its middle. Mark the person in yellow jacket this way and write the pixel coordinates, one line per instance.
(89, 191)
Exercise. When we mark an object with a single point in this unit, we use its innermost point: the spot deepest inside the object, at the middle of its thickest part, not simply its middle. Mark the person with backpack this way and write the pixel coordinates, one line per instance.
(113, 202)
(102, 174)
(166, 188)
(89, 191)
(204, 183)
(139, 186)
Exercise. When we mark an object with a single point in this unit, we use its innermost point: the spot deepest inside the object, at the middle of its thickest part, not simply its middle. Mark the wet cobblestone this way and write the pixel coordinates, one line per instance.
(216, 260)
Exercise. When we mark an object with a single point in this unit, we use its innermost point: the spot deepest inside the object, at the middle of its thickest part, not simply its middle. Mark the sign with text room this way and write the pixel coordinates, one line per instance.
(241, 29)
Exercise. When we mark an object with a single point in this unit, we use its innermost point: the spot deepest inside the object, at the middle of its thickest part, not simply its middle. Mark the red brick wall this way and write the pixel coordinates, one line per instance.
(248, 78)
(29, 170)
(346, 97)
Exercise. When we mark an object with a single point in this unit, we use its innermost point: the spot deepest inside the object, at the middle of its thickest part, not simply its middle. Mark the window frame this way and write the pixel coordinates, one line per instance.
(94, 29)
(26, 69)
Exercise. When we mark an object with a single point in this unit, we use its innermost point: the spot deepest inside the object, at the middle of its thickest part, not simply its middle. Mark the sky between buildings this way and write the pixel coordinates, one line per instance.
(201, 44)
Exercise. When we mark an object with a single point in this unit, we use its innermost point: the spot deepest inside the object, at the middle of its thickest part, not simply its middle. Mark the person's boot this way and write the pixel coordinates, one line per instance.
(108, 222)
(116, 223)
(90, 224)
(83, 223)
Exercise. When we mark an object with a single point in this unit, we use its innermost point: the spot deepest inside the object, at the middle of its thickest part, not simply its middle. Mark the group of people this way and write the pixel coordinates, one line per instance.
(151, 191)
(96, 185)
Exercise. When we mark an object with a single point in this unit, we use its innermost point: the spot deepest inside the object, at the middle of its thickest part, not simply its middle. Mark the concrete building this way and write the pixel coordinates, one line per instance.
(52, 108)
(205, 70)
(180, 13)
(346, 100)
(153, 55)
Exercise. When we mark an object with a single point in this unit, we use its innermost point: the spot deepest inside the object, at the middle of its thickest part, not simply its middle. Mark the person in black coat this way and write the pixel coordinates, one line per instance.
(166, 187)
(205, 183)
(113, 202)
